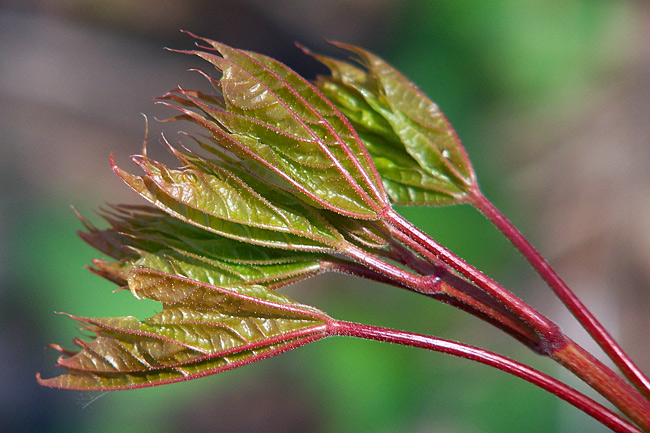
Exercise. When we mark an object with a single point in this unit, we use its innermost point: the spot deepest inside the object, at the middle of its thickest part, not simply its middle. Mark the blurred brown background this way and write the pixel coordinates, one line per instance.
(551, 98)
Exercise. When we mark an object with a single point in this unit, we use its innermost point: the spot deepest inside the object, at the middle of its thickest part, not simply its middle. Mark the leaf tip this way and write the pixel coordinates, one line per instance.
(49, 383)
(304, 49)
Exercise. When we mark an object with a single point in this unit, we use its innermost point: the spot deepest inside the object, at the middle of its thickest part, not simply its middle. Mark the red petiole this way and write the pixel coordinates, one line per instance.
(575, 398)
(566, 295)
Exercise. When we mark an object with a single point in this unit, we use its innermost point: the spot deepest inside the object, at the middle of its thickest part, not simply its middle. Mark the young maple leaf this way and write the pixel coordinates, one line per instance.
(416, 151)
(290, 185)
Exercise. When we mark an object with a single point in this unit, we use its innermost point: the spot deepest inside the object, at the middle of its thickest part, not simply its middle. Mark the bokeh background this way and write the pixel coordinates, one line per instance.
(552, 101)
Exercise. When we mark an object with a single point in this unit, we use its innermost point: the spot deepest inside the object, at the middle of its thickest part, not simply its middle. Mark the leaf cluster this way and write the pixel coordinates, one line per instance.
(289, 184)
(415, 149)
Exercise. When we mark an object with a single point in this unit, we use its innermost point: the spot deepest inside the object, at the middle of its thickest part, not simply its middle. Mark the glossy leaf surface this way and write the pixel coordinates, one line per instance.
(222, 203)
(270, 114)
(202, 329)
(416, 151)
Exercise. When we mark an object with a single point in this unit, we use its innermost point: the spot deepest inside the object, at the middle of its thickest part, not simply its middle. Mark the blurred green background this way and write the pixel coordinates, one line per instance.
(552, 101)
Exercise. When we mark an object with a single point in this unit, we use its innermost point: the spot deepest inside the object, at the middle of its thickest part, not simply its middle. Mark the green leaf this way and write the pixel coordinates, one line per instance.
(405, 181)
(149, 238)
(227, 274)
(222, 203)
(138, 226)
(202, 329)
(270, 114)
(367, 234)
(416, 151)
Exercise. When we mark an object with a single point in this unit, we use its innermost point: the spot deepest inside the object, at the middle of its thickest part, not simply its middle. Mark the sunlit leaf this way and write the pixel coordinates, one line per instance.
(142, 224)
(287, 191)
(267, 183)
(224, 204)
(415, 149)
(202, 329)
(272, 115)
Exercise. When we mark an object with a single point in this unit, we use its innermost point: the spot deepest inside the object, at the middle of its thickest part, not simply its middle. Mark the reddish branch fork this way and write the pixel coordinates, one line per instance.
(553, 342)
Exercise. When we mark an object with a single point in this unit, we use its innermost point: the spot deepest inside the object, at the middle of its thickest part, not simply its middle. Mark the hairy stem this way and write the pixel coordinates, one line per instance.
(606, 382)
(550, 335)
(553, 342)
(450, 283)
(572, 302)
(563, 391)
(449, 289)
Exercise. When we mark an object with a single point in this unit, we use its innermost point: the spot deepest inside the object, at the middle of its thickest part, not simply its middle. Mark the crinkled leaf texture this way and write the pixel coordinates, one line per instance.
(416, 151)
(145, 237)
(269, 114)
(240, 201)
(288, 185)
(216, 199)
(201, 330)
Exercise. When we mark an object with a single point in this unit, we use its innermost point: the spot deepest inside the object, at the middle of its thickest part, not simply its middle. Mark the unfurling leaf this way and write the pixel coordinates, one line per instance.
(202, 329)
(142, 236)
(287, 191)
(417, 153)
(223, 203)
(269, 114)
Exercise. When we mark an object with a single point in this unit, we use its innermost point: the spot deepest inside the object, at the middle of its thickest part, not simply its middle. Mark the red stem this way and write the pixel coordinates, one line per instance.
(549, 333)
(450, 284)
(426, 284)
(553, 342)
(451, 290)
(462, 293)
(570, 395)
(577, 308)
(606, 382)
